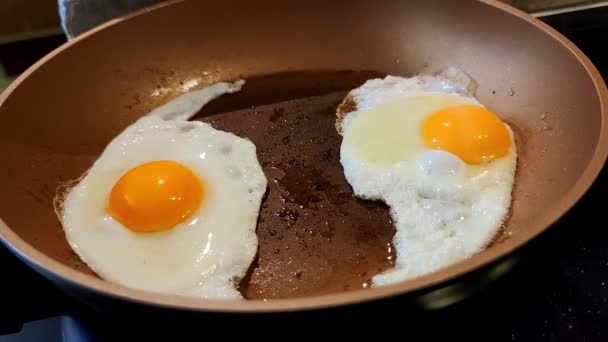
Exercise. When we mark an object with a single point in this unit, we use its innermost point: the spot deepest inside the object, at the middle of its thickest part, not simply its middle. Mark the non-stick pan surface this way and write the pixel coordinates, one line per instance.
(319, 246)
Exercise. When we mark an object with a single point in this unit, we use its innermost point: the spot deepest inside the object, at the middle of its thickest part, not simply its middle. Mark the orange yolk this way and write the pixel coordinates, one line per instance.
(471, 132)
(155, 196)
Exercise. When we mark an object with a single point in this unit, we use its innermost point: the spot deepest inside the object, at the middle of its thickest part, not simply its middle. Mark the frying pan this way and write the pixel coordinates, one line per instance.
(300, 59)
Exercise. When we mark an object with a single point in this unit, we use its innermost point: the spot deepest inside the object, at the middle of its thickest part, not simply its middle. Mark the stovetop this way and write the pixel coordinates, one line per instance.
(558, 291)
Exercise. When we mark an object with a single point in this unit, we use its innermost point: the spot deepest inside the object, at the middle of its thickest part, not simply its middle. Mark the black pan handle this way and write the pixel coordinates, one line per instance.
(26, 296)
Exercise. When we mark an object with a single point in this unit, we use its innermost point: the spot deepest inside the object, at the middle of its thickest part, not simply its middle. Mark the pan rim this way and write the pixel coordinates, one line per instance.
(40, 261)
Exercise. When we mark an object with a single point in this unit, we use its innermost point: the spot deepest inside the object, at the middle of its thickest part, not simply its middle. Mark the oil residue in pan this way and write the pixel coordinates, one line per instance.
(315, 237)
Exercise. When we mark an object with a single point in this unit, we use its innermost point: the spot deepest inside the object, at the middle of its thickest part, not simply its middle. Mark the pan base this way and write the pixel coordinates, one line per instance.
(315, 236)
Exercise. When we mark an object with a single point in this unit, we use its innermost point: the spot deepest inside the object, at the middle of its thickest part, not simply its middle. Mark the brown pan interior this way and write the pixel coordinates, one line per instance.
(300, 59)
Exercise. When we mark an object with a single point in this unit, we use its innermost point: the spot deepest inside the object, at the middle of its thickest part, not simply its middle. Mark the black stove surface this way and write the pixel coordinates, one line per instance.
(557, 292)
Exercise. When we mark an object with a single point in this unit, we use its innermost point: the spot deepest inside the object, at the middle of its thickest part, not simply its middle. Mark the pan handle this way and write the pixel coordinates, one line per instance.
(25, 296)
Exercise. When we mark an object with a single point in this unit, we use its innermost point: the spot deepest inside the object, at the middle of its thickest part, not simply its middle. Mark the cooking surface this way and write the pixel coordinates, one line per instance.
(315, 237)
(558, 292)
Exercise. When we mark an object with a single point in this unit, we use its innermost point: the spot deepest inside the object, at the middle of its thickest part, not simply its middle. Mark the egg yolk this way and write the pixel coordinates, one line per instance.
(155, 196)
(471, 132)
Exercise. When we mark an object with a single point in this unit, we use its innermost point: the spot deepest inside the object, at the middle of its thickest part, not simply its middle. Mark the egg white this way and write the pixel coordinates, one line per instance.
(205, 256)
(444, 210)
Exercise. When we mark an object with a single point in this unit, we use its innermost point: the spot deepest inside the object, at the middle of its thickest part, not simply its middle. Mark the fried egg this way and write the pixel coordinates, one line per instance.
(443, 163)
(171, 205)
